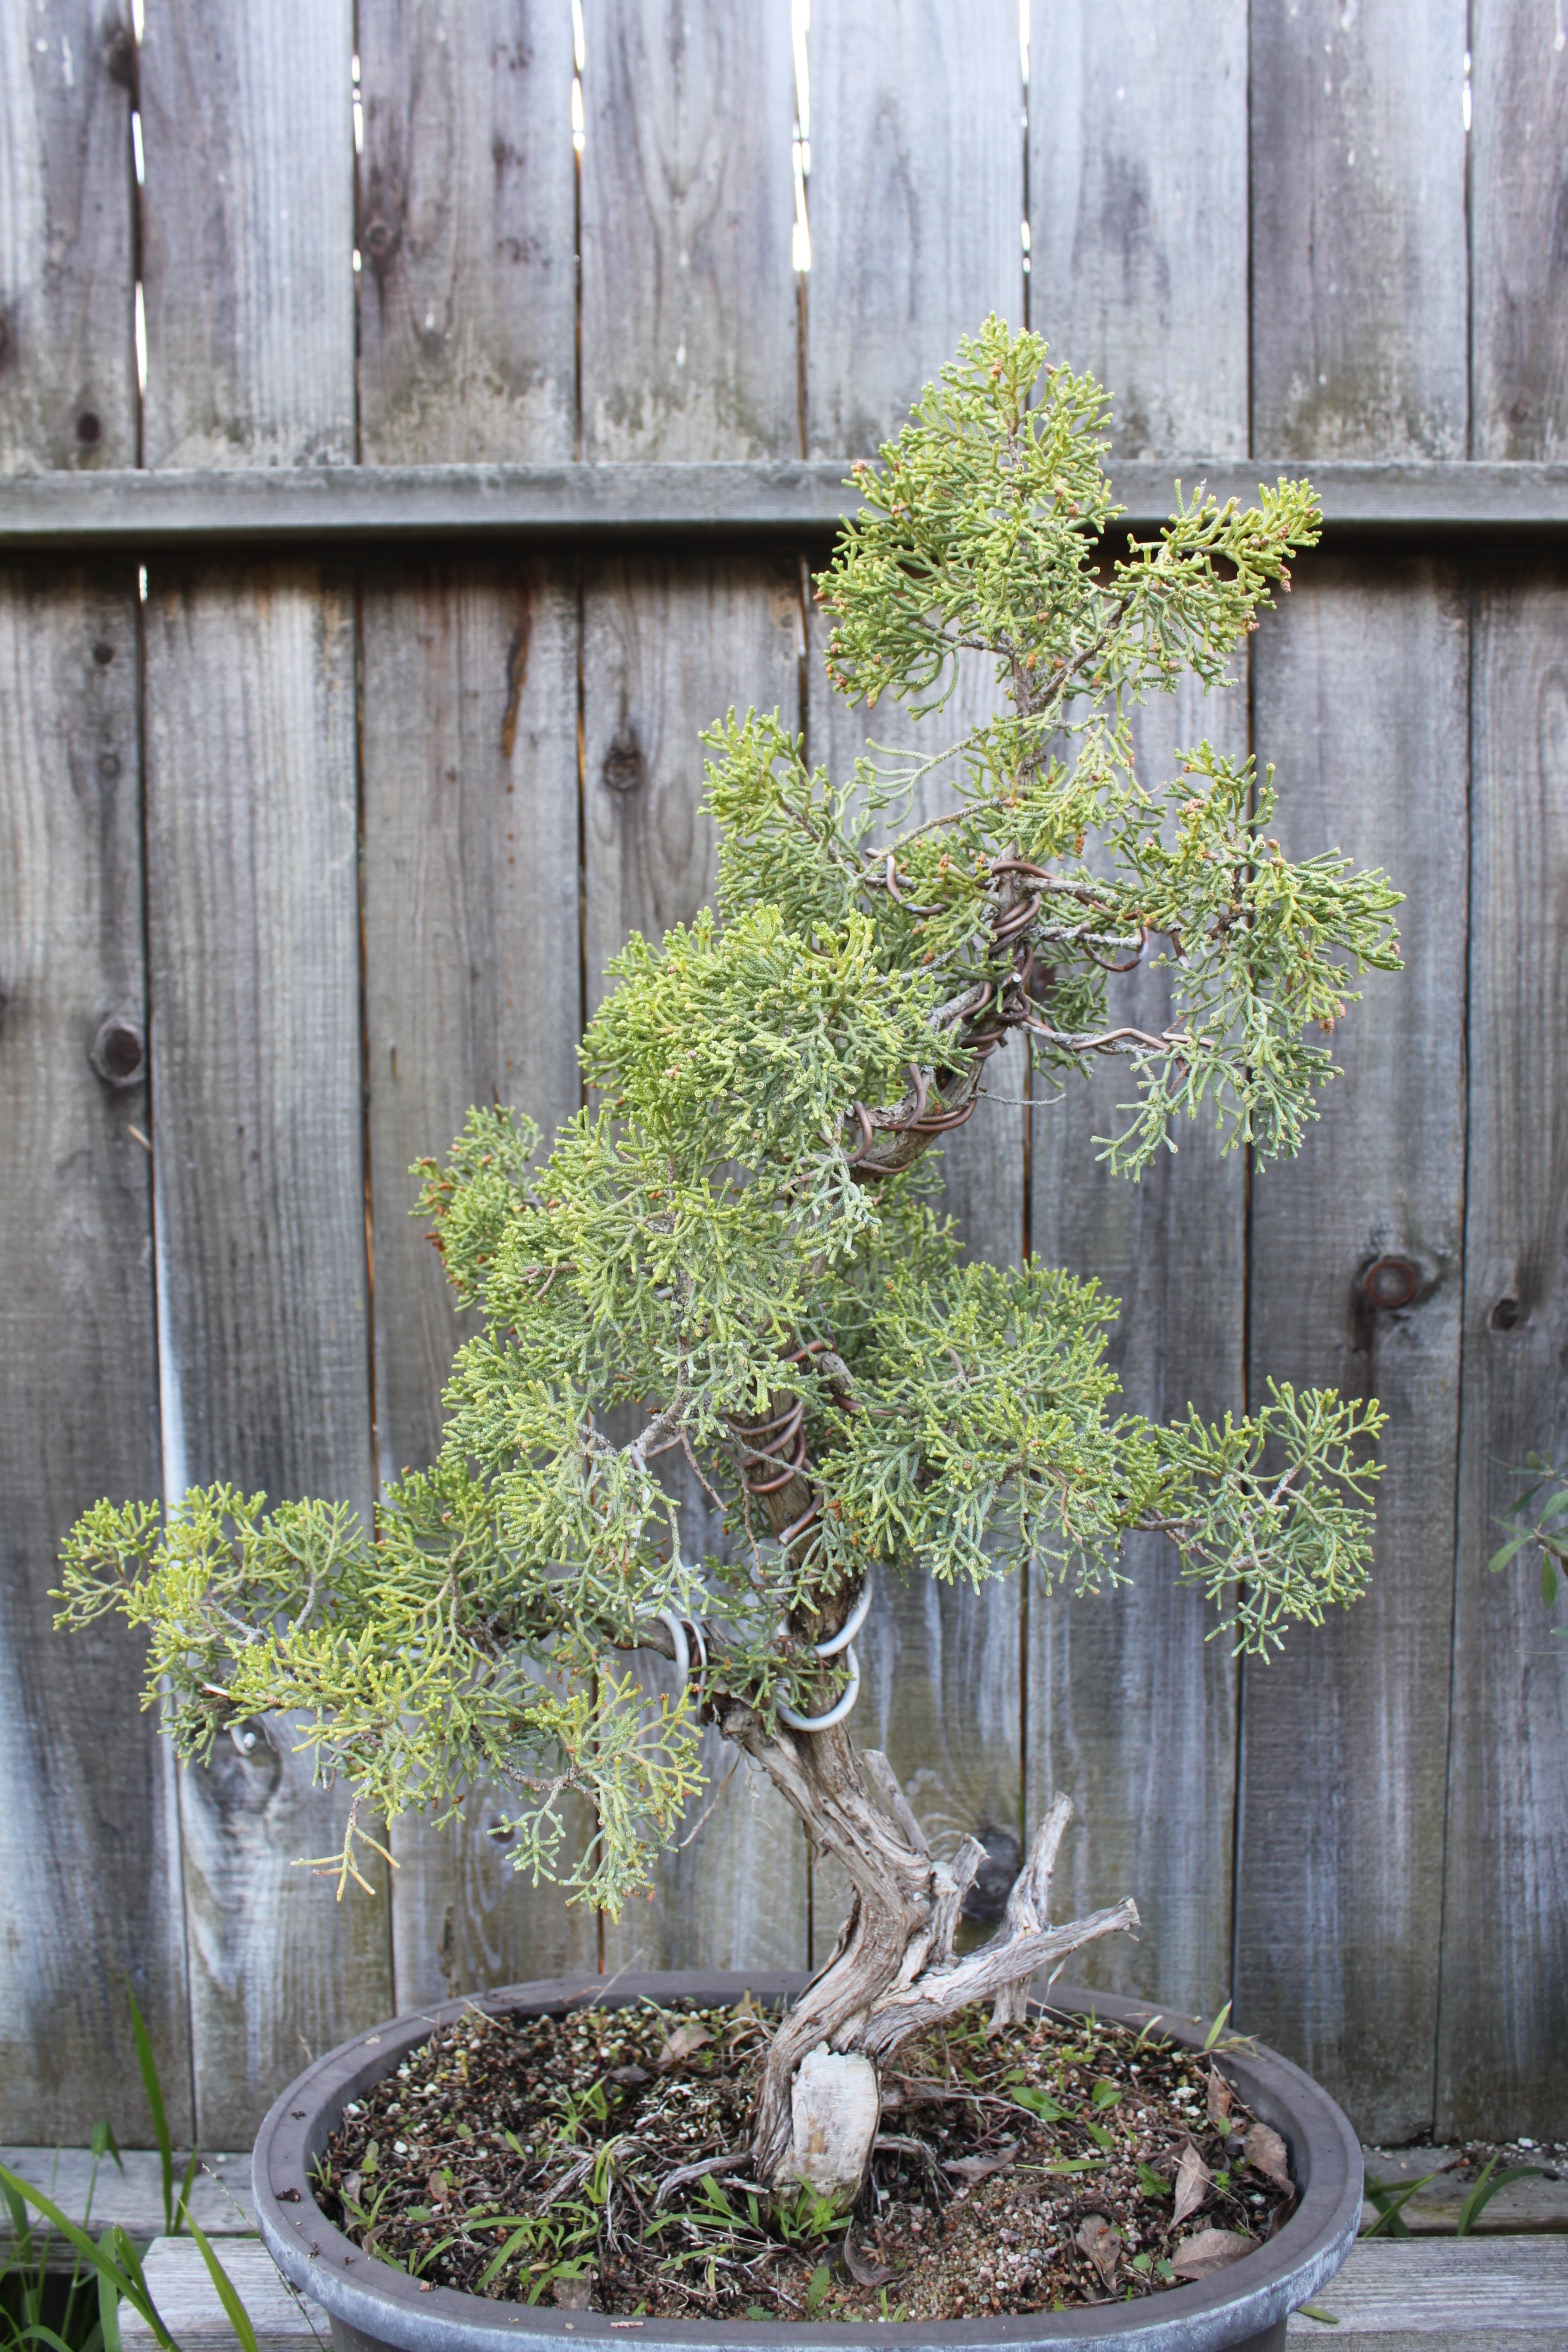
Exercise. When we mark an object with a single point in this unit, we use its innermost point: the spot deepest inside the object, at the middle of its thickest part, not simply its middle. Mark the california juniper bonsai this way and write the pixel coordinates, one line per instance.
(736, 1238)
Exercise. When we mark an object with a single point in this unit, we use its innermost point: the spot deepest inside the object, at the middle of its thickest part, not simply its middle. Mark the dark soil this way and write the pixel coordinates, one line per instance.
(593, 2159)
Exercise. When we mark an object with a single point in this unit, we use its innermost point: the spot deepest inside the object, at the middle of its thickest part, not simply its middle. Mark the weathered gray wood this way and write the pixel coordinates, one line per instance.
(666, 651)
(88, 1841)
(915, 202)
(472, 996)
(688, 296)
(98, 2191)
(188, 2302)
(264, 1357)
(1131, 1709)
(67, 362)
(247, 233)
(1138, 214)
(1461, 2297)
(1360, 694)
(467, 299)
(1518, 190)
(1502, 2054)
(1496, 2295)
(1359, 284)
(778, 501)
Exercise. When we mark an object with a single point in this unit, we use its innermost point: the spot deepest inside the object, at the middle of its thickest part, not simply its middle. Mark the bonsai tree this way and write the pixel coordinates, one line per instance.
(736, 1240)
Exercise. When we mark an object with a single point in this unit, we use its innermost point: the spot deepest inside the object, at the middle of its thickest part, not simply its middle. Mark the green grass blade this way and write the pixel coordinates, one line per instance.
(518, 2238)
(1391, 2205)
(160, 2121)
(1486, 2189)
(125, 2277)
(239, 2318)
(182, 2207)
(108, 2310)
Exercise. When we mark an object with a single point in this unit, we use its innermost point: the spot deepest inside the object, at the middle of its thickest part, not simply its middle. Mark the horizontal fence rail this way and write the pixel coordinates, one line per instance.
(771, 499)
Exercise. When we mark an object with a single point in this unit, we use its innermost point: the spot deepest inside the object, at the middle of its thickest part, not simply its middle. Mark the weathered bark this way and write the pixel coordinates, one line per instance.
(893, 1971)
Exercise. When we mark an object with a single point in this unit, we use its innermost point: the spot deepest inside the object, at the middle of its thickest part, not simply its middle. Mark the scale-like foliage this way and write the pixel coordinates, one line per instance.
(732, 1251)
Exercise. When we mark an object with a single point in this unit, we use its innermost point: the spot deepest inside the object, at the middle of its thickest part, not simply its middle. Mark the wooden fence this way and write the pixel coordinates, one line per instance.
(315, 829)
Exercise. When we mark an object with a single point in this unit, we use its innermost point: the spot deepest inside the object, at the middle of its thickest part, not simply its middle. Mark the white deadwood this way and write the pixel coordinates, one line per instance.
(893, 1971)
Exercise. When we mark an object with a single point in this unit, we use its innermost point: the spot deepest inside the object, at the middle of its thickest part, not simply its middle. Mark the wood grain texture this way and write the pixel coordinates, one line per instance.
(1131, 1709)
(915, 201)
(1519, 231)
(1502, 2054)
(467, 197)
(472, 996)
(667, 649)
(1138, 215)
(99, 2191)
(940, 1663)
(253, 929)
(1360, 693)
(688, 293)
(67, 361)
(248, 233)
(1390, 2297)
(88, 1840)
(1359, 286)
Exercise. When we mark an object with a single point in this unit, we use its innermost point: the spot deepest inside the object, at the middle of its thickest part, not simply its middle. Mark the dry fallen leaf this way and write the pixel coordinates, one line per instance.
(682, 2042)
(1101, 2243)
(1209, 2250)
(1219, 2099)
(1265, 2152)
(1192, 2184)
(979, 2168)
(435, 2188)
(864, 2269)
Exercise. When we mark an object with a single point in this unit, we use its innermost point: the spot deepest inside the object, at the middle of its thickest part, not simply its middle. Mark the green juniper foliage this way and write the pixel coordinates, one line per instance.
(736, 1239)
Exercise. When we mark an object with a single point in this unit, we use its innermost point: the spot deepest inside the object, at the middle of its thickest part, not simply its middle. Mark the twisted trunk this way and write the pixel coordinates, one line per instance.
(893, 1971)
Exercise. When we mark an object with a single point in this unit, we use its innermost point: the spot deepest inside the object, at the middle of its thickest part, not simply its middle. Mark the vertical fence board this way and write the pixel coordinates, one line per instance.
(253, 909)
(467, 299)
(1359, 287)
(688, 351)
(1502, 2055)
(472, 985)
(248, 233)
(1131, 1709)
(67, 363)
(688, 298)
(916, 203)
(1138, 214)
(247, 236)
(667, 649)
(467, 327)
(1519, 222)
(88, 1843)
(1360, 695)
(1138, 272)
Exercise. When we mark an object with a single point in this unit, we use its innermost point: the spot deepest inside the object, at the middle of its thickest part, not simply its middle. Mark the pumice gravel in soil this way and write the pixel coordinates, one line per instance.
(597, 2160)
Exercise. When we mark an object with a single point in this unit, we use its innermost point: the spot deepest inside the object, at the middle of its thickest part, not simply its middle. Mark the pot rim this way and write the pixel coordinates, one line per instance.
(388, 2306)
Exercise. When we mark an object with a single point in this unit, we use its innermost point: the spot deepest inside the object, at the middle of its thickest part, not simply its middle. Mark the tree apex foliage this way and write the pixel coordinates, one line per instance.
(729, 1358)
